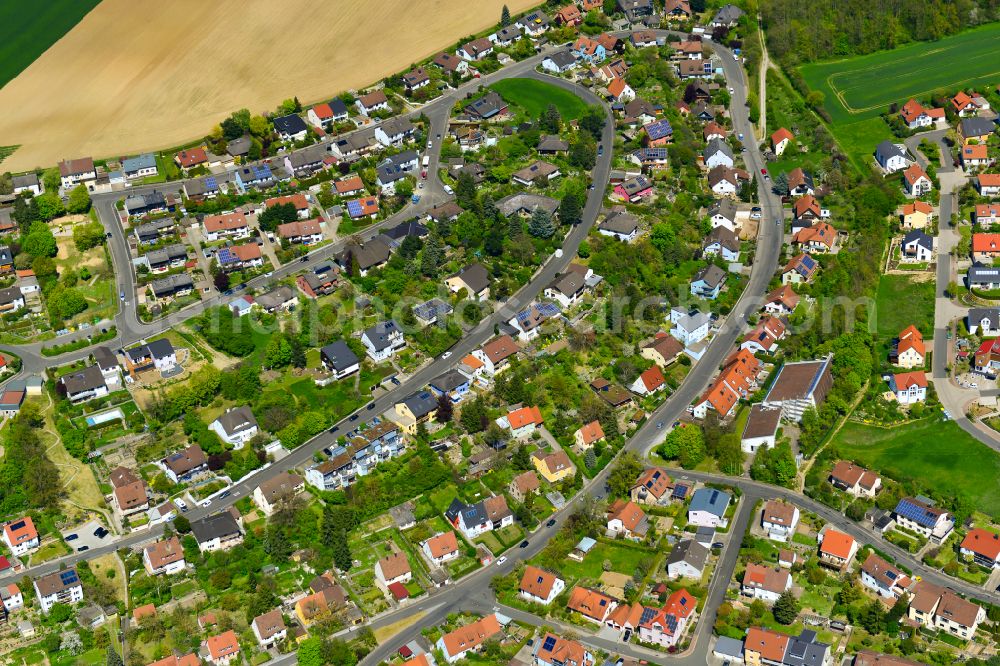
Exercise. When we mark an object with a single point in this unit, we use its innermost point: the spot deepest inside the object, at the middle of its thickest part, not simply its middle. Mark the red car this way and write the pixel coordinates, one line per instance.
(763, 172)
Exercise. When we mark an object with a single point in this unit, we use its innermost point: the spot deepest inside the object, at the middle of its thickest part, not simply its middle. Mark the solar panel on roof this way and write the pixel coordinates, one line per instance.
(210, 182)
(550, 642)
(353, 208)
(603, 602)
(647, 615)
(808, 261)
(16, 526)
(68, 577)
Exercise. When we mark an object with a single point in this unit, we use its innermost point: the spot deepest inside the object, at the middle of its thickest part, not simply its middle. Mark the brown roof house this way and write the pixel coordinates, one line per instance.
(129, 492)
(269, 628)
(281, 487)
(523, 485)
(391, 569)
(164, 557)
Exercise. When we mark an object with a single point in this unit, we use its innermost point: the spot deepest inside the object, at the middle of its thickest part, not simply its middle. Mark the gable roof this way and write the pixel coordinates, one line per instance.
(537, 582)
(837, 544)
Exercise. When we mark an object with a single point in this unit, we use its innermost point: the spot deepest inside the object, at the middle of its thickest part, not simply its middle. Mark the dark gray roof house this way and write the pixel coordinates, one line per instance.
(239, 147)
(88, 379)
(728, 15)
(290, 125)
(420, 403)
(449, 381)
(171, 285)
(620, 223)
(380, 335)
(976, 127)
(220, 526)
(689, 551)
(373, 253)
(338, 356)
(887, 149)
(475, 276)
(489, 105)
(525, 204)
(237, 420)
(276, 298)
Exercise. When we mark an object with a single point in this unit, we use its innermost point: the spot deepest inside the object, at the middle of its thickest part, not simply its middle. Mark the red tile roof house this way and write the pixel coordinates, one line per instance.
(781, 301)
(307, 232)
(540, 586)
(652, 487)
(855, 480)
(627, 519)
(988, 184)
(223, 649)
(982, 546)
(469, 638)
(909, 387)
(298, 200)
(587, 435)
(819, 237)
(986, 214)
(765, 583)
(915, 115)
(650, 381)
(227, 225)
(188, 159)
(522, 422)
(393, 568)
(320, 115)
(21, 536)
(985, 247)
(837, 549)
(915, 181)
(569, 15)
(591, 604)
(441, 548)
(976, 155)
(780, 140)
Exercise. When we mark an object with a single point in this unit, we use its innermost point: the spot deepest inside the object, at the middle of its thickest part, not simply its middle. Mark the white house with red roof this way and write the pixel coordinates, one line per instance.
(21, 536)
(982, 546)
(780, 140)
(650, 381)
(521, 422)
(587, 435)
(909, 387)
(320, 115)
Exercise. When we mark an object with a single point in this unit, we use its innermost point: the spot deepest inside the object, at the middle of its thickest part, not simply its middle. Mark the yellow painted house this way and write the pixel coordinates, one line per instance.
(553, 467)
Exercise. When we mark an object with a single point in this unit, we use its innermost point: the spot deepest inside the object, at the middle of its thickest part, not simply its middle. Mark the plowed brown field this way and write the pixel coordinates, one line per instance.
(145, 74)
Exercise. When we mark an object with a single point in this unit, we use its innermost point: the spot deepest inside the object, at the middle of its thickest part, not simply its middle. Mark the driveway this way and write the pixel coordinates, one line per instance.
(85, 536)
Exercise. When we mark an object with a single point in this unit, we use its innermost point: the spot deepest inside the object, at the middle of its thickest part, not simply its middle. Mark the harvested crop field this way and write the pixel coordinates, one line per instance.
(136, 74)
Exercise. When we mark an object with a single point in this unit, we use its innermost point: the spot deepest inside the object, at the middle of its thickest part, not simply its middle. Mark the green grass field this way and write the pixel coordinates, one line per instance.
(535, 96)
(856, 90)
(30, 29)
(934, 453)
(861, 87)
(903, 301)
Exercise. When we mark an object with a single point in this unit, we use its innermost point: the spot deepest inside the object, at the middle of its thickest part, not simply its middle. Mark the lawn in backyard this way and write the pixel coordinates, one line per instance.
(31, 28)
(624, 559)
(931, 452)
(903, 301)
(535, 96)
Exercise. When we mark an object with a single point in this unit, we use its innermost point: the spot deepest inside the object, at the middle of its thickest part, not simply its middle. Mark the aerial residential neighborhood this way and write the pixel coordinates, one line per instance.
(586, 334)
